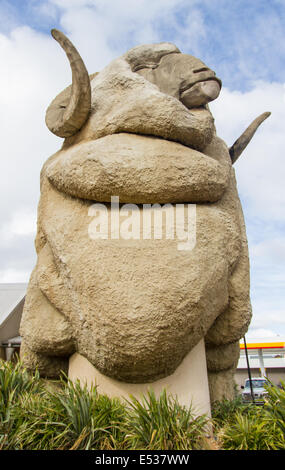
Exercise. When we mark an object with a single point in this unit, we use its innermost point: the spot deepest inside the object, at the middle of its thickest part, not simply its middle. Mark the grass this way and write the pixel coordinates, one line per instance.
(37, 416)
(250, 427)
(162, 424)
(43, 415)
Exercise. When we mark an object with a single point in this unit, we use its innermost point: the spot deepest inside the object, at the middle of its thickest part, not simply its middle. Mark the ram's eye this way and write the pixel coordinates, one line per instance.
(202, 69)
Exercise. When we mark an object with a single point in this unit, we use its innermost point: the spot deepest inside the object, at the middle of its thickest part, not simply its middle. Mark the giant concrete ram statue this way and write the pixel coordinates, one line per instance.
(141, 131)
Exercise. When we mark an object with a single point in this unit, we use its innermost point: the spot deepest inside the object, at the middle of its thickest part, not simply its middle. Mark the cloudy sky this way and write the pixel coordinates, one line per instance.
(243, 41)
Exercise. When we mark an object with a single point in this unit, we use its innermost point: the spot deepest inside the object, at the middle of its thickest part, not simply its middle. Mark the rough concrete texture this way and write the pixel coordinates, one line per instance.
(51, 367)
(138, 169)
(135, 308)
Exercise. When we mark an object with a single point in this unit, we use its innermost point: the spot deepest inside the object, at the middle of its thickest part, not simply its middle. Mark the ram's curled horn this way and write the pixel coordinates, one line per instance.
(69, 110)
(240, 144)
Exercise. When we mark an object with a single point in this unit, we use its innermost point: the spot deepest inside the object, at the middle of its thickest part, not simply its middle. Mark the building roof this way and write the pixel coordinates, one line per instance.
(268, 353)
(12, 341)
(275, 342)
(11, 304)
(10, 296)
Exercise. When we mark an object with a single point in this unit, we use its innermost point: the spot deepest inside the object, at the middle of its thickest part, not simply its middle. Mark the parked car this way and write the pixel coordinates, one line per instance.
(258, 388)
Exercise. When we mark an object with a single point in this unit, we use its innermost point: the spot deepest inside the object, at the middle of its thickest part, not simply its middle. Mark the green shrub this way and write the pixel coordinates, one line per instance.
(72, 417)
(35, 415)
(39, 423)
(92, 420)
(14, 382)
(252, 427)
(252, 432)
(224, 411)
(274, 406)
(161, 423)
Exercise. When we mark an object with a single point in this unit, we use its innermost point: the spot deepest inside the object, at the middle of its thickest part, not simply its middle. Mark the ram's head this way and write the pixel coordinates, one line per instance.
(129, 94)
(181, 75)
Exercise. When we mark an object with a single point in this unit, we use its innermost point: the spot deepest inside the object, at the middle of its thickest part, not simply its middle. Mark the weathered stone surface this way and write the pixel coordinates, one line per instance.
(135, 306)
(137, 106)
(181, 76)
(221, 384)
(123, 100)
(201, 93)
(222, 358)
(51, 367)
(45, 329)
(138, 169)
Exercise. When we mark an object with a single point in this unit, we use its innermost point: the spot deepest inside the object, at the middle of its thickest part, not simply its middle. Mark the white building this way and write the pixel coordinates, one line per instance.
(266, 358)
(12, 298)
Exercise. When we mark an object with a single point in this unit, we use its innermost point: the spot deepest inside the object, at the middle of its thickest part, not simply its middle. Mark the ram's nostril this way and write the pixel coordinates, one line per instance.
(202, 69)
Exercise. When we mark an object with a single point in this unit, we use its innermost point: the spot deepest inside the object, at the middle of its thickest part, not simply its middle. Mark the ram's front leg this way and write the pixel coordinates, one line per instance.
(51, 367)
(222, 339)
(222, 361)
(47, 340)
(223, 354)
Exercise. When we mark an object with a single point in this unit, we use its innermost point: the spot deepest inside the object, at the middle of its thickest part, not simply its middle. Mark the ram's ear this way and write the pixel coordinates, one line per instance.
(149, 55)
(240, 144)
(69, 110)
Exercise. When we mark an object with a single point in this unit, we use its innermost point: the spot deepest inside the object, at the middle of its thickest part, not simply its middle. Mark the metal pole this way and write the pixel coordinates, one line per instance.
(248, 370)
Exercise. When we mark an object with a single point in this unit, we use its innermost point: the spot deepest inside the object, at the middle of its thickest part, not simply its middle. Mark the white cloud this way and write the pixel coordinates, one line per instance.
(14, 275)
(8, 12)
(260, 170)
(104, 29)
(260, 333)
(21, 223)
(260, 173)
(45, 10)
(272, 250)
(269, 318)
(34, 72)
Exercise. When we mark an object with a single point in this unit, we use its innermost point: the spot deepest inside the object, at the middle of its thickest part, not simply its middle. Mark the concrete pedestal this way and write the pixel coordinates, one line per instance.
(189, 382)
